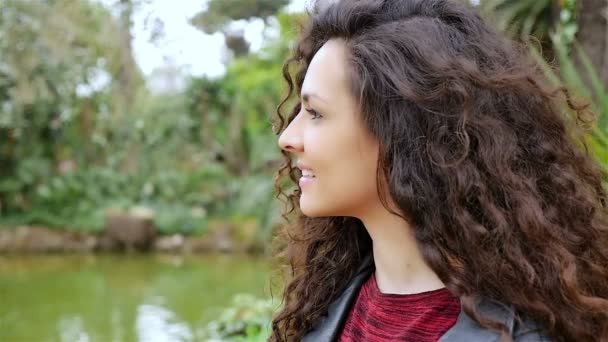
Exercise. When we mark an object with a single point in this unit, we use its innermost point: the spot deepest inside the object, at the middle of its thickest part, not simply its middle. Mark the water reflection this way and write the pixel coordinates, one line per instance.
(120, 298)
(71, 329)
(158, 324)
(117, 331)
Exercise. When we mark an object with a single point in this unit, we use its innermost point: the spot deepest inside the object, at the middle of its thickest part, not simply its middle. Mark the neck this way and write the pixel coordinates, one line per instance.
(400, 267)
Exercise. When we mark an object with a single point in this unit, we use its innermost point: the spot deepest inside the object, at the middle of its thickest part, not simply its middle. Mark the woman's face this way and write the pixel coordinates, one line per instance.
(328, 138)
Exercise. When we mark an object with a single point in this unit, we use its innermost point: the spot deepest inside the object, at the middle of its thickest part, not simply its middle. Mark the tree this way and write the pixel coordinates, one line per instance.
(233, 112)
(127, 72)
(229, 99)
(220, 13)
(51, 52)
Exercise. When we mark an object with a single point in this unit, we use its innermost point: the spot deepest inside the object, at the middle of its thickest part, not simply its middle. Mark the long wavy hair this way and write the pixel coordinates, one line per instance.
(504, 200)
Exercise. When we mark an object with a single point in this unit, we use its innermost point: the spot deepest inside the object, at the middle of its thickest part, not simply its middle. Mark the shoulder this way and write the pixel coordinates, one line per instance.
(529, 332)
(466, 329)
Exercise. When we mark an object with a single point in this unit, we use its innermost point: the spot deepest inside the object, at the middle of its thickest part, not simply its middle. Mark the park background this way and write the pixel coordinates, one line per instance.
(137, 157)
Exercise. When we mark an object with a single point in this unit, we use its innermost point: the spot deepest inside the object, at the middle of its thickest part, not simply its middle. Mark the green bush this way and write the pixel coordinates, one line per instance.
(248, 319)
(78, 199)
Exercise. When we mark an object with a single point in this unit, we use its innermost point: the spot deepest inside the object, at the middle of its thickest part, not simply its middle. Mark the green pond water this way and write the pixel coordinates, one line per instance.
(117, 298)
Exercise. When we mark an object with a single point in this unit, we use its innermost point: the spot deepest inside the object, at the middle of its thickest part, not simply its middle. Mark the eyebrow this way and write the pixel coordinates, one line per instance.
(306, 97)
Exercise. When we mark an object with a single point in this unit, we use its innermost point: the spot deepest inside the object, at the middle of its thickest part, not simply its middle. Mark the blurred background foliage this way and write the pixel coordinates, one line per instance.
(80, 132)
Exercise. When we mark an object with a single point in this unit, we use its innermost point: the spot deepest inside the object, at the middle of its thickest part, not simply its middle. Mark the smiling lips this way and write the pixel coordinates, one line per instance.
(307, 175)
(306, 180)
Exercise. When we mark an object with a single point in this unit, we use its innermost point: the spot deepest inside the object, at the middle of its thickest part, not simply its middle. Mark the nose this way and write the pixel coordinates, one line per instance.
(291, 138)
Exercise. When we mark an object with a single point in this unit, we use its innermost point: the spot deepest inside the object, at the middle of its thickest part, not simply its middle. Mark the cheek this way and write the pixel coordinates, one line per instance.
(357, 177)
(353, 189)
(345, 184)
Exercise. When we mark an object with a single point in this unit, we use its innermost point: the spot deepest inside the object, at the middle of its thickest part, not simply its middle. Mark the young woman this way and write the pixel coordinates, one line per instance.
(441, 193)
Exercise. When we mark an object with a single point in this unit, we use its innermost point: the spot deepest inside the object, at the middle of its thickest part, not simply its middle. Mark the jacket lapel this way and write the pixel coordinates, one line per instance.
(329, 327)
(466, 329)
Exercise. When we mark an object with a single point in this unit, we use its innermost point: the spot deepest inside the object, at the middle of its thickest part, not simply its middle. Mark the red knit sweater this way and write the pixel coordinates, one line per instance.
(417, 317)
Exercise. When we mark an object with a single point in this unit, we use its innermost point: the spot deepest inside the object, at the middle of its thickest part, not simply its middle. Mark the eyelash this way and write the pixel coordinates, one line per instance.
(314, 114)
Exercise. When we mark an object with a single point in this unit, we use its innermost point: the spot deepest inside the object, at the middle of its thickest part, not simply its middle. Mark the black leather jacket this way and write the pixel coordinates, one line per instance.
(328, 329)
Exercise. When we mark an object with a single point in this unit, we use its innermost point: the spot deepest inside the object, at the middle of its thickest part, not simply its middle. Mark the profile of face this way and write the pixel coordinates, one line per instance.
(337, 153)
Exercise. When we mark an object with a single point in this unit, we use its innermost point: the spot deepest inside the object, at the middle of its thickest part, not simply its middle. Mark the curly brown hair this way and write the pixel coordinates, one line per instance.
(504, 200)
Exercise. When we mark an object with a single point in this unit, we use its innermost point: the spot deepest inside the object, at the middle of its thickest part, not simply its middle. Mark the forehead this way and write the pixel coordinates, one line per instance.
(327, 72)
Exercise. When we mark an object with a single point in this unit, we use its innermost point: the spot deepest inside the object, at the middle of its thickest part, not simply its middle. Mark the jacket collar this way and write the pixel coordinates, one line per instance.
(329, 327)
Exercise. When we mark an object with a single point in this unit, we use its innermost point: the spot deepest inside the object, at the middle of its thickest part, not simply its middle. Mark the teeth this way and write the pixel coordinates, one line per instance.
(307, 173)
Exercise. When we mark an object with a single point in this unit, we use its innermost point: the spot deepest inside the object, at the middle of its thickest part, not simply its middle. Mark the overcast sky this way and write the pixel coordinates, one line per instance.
(181, 44)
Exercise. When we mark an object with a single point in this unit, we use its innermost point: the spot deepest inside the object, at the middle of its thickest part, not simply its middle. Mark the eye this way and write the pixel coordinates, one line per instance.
(314, 114)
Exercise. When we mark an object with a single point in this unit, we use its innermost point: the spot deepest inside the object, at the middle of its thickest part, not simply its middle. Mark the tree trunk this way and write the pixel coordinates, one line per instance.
(236, 156)
(126, 75)
(593, 34)
(206, 133)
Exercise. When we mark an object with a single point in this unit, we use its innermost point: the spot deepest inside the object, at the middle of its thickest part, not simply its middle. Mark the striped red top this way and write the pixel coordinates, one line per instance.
(419, 317)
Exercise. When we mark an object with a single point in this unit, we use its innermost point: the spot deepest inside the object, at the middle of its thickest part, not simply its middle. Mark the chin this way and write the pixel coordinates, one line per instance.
(310, 213)
(313, 210)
